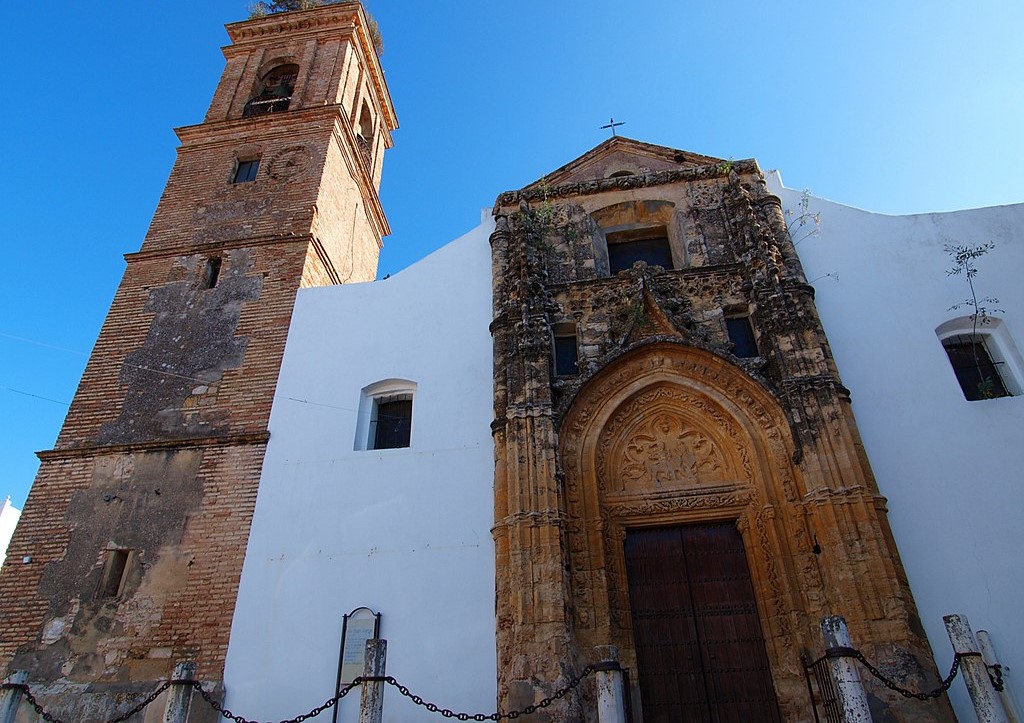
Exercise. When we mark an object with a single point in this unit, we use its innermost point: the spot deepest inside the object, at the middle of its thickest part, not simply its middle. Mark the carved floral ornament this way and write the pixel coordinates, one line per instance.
(673, 419)
(667, 439)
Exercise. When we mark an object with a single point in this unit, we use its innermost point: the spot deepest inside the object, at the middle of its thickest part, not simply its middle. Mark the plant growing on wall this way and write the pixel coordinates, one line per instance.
(964, 257)
(262, 8)
(802, 224)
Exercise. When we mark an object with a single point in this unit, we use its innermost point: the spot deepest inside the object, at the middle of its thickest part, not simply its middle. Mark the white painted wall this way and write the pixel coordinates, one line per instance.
(951, 469)
(403, 531)
(407, 532)
(9, 516)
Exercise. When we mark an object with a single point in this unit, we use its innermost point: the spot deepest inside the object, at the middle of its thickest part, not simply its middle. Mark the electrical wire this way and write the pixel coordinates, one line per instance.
(45, 345)
(34, 396)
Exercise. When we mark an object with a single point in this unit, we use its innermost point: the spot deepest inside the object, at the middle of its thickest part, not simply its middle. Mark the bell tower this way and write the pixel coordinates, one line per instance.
(134, 532)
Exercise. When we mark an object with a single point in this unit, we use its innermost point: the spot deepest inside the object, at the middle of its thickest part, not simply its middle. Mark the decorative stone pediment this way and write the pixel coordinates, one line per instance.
(623, 156)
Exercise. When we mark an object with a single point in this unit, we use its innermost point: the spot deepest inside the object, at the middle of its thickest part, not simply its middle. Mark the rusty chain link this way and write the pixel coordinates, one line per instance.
(995, 677)
(995, 674)
(49, 718)
(511, 715)
(943, 686)
(224, 712)
(330, 702)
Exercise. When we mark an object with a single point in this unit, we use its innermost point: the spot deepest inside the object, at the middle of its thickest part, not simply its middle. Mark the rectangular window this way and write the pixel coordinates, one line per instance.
(246, 171)
(392, 423)
(114, 568)
(741, 334)
(566, 355)
(654, 251)
(978, 375)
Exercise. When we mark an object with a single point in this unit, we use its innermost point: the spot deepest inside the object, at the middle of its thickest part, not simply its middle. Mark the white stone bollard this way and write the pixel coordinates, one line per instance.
(611, 694)
(986, 702)
(853, 700)
(371, 706)
(10, 698)
(179, 695)
(988, 654)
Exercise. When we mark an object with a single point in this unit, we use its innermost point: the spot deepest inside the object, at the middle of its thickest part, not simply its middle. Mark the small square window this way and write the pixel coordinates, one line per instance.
(384, 418)
(392, 423)
(741, 334)
(246, 171)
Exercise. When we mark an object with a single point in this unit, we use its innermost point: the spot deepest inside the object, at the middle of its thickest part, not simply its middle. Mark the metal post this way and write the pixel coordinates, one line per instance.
(371, 707)
(179, 695)
(988, 654)
(10, 698)
(983, 695)
(852, 699)
(611, 694)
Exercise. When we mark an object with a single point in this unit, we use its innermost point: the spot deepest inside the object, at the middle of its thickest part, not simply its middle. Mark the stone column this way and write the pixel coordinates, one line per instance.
(852, 698)
(371, 706)
(988, 654)
(611, 694)
(179, 696)
(983, 695)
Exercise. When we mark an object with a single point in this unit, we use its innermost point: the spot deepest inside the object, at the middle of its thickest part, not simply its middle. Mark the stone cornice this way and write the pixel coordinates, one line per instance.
(186, 249)
(274, 125)
(228, 440)
(624, 183)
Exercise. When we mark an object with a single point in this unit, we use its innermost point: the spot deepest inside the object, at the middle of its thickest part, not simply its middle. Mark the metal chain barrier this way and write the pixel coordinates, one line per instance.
(996, 678)
(511, 715)
(213, 703)
(995, 674)
(330, 702)
(51, 719)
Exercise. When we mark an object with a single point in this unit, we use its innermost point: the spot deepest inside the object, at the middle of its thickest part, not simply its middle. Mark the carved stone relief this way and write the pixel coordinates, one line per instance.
(665, 453)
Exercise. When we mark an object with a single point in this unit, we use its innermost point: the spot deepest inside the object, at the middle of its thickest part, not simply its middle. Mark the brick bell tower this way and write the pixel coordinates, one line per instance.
(135, 530)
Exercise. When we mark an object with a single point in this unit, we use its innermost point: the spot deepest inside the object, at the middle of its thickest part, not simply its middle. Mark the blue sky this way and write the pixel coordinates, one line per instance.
(896, 107)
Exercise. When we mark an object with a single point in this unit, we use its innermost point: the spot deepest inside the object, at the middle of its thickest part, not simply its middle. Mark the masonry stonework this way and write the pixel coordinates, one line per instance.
(157, 466)
(663, 426)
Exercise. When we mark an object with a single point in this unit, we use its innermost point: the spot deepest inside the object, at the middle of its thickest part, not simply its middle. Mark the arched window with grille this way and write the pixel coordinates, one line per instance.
(385, 415)
(983, 357)
(274, 93)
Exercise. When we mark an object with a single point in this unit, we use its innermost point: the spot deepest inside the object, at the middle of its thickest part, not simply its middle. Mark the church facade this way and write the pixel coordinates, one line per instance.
(609, 415)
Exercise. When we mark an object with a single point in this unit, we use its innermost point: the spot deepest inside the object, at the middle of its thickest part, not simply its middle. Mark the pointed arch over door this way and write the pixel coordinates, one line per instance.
(671, 436)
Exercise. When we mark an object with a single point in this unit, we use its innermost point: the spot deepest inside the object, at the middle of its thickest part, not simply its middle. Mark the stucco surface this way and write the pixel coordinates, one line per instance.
(405, 532)
(950, 468)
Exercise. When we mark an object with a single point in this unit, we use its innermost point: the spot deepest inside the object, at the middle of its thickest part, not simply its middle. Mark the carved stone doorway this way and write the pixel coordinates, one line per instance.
(699, 648)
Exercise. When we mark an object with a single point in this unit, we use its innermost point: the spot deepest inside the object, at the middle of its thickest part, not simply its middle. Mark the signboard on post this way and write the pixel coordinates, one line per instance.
(357, 627)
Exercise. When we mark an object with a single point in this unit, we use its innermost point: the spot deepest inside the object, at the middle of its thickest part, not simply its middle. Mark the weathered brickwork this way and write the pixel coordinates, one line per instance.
(135, 530)
(662, 424)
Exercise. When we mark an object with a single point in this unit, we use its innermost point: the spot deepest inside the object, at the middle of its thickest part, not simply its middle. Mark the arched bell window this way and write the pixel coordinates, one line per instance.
(364, 135)
(275, 91)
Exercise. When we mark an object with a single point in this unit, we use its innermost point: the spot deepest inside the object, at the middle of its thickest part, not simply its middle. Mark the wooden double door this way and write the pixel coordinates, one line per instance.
(699, 646)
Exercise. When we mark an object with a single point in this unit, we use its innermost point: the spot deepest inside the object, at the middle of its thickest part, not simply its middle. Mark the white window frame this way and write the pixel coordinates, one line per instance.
(998, 343)
(386, 390)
